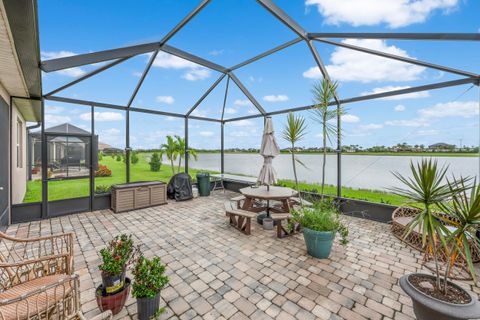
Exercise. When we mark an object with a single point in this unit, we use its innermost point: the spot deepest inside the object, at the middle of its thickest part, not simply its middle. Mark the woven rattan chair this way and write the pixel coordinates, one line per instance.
(36, 279)
(402, 216)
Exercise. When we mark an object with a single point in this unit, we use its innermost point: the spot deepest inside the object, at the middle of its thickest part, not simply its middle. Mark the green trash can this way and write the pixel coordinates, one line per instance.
(203, 181)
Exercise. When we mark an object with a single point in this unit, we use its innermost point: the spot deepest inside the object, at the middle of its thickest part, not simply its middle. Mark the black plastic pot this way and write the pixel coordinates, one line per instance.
(429, 308)
(113, 302)
(147, 307)
(113, 284)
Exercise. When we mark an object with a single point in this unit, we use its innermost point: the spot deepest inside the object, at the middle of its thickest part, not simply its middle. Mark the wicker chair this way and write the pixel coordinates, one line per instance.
(36, 279)
(402, 216)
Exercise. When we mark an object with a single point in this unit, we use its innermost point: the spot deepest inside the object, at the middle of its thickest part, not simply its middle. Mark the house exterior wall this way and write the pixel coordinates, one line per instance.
(19, 173)
(4, 158)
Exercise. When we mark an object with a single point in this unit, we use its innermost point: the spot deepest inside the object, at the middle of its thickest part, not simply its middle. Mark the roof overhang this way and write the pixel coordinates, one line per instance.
(20, 55)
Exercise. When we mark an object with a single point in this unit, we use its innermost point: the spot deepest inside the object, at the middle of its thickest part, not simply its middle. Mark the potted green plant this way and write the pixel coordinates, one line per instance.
(149, 279)
(428, 190)
(115, 287)
(320, 225)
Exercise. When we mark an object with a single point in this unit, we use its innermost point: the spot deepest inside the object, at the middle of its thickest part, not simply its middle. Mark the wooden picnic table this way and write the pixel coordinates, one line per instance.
(273, 193)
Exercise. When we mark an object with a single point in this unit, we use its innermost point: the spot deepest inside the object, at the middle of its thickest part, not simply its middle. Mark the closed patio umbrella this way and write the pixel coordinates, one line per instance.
(268, 150)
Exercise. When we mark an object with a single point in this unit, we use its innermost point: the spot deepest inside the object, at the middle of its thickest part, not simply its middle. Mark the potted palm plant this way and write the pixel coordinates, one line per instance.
(428, 190)
(116, 257)
(320, 225)
(148, 280)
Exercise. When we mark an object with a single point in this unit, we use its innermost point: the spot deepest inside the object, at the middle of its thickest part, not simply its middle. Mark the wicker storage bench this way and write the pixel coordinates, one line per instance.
(136, 195)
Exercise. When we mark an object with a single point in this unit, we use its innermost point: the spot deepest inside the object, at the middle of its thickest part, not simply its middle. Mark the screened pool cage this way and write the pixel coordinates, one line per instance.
(116, 56)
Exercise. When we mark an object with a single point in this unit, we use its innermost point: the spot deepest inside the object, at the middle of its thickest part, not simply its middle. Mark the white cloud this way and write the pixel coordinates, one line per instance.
(54, 109)
(393, 13)
(165, 99)
(465, 109)
(230, 110)
(199, 113)
(137, 74)
(416, 122)
(216, 52)
(193, 72)
(350, 65)
(242, 123)
(71, 72)
(241, 103)
(206, 133)
(371, 126)
(399, 108)
(52, 120)
(111, 132)
(413, 95)
(350, 118)
(102, 116)
(429, 132)
(276, 98)
(196, 74)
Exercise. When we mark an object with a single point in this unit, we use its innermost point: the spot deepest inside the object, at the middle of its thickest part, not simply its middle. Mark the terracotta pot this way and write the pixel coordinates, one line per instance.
(114, 302)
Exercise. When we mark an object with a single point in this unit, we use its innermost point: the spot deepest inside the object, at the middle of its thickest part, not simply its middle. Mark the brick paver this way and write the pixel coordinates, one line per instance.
(217, 272)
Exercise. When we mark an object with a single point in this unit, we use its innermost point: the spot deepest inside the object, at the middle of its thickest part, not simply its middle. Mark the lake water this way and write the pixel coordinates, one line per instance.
(358, 171)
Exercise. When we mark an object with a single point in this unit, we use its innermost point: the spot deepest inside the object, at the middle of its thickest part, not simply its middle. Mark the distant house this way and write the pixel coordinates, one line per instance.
(441, 146)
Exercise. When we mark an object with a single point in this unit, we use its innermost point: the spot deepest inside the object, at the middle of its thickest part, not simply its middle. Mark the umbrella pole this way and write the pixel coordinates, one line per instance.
(268, 203)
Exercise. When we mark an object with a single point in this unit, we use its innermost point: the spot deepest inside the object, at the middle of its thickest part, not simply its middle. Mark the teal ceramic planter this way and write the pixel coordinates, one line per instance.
(319, 243)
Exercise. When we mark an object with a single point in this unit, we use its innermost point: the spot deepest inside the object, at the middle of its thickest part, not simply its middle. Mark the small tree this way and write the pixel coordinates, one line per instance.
(294, 131)
(134, 158)
(323, 92)
(119, 157)
(100, 156)
(155, 162)
(181, 151)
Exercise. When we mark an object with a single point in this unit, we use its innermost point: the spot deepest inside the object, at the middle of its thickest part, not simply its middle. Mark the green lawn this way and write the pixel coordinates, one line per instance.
(64, 189)
(359, 194)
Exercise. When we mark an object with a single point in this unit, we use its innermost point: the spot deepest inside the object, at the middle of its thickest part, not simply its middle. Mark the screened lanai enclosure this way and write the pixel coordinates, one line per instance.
(232, 98)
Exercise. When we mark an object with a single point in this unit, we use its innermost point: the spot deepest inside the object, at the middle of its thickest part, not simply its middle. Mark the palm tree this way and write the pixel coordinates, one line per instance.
(323, 93)
(182, 149)
(170, 149)
(294, 130)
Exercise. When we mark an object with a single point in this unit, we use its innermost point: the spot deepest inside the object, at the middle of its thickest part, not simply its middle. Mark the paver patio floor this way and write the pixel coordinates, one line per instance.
(217, 272)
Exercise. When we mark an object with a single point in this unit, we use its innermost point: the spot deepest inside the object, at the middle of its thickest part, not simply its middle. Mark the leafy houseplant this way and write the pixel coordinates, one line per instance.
(320, 224)
(435, 297)
(118, 254)
(149, 279)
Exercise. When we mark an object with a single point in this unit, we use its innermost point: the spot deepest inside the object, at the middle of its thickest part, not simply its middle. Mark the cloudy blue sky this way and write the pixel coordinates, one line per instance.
(228, 32)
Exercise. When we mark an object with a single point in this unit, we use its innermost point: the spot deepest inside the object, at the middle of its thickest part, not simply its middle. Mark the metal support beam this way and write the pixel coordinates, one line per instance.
(267, 53)
(321, 66)
(400, 58)
(339, 151)
(222, 148)
(44, 166)
(142, 78)
(95, 57)
(91, 172)
(398, 36)
(205, 95)
(88, 75)
(283, 17)
(192, 58)
(184, 21)
(187, 151)
(247, 93)
(127, 145)
(225, 98)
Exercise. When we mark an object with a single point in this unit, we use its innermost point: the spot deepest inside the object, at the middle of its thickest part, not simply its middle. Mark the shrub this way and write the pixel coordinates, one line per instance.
(134, 158)
(100, 156)
(155, 162)
(119, 157)
(323, 216)
(149, 277)
(102, 189)
(118, 254)
(103, 171)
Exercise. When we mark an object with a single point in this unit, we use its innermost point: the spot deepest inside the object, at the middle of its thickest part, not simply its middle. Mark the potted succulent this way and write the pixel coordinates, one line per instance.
(435, 296)
(320, 225)
(115, 288)
(148, 280)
